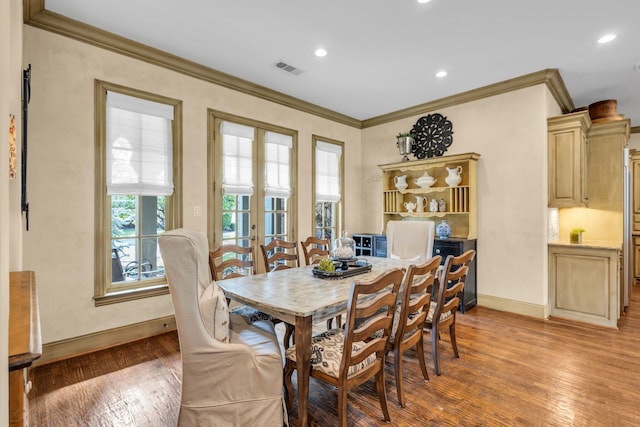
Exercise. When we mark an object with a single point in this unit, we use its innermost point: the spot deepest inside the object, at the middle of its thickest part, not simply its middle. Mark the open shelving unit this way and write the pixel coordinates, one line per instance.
(461, 200)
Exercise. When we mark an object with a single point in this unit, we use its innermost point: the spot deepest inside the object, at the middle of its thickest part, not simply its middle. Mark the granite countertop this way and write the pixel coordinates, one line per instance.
(590, 244)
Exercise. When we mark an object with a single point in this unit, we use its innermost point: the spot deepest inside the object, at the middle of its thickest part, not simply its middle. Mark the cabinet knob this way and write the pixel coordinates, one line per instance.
(438, 251)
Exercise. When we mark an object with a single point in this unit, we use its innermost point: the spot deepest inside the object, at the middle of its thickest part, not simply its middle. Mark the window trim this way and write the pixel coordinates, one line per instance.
(341, 208)
(103, 294)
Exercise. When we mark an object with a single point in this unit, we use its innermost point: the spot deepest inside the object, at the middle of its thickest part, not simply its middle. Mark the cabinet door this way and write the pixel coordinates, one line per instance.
(567, 168)
(636, 258)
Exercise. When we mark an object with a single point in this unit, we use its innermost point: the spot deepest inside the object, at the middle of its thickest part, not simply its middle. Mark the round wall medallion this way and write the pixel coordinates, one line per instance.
(433, 135)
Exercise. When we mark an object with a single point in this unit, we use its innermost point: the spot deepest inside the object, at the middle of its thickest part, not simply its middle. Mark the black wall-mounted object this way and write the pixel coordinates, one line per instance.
(433, 134)
(26, 96)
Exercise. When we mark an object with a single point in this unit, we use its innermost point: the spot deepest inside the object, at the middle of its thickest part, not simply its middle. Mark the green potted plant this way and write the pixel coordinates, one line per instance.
(405, 144)
(575, 236)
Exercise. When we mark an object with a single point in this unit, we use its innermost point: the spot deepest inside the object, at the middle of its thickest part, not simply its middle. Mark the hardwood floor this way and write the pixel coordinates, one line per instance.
(512, 370)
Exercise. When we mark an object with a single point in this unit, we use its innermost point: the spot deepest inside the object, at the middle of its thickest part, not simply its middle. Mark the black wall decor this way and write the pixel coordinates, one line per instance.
(26, 96)
(433, 135)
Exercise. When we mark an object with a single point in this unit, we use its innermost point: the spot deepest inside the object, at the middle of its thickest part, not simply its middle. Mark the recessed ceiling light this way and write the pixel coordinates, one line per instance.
(424, 1)
(320, 52)
(607, 38)
(441, 73)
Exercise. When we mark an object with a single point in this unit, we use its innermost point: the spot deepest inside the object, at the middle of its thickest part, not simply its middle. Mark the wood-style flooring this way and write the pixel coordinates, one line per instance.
(513, 370)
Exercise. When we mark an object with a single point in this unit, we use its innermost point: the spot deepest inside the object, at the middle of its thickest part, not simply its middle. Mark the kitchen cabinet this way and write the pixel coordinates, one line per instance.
(456, 247)
(567, 150)
(460, 201)
(584, 282)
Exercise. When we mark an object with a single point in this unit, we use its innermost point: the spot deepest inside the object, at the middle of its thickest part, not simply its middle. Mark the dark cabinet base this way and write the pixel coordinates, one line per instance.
(455, 247)
(376, 245)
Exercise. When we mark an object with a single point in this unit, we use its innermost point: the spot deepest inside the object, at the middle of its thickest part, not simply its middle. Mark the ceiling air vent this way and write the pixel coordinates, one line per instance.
(288, 68)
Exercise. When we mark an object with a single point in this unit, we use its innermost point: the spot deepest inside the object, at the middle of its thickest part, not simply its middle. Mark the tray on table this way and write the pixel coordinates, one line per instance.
(346, 268)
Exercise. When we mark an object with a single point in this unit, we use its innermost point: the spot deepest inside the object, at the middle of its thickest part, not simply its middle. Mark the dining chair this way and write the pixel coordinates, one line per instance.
(410, 240)
(231, 369)
(279, 254)
(411, 313)
(314, 249)
(351, 356)
(230, 261)
(442, 312)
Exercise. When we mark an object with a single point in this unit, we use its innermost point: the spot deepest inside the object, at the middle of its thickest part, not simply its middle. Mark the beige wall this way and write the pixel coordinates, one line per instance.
(59, 245)
(509, 132)
(10, 245)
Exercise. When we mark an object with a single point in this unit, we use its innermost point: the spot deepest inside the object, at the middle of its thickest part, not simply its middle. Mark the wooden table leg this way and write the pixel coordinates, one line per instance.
(303, 365)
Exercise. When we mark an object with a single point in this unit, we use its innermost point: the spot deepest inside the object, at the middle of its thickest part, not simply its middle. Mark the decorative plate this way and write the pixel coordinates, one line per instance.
(433, 135)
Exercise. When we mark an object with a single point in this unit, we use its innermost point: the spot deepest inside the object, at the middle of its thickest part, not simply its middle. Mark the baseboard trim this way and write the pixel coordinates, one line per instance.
(512, 306)
(64, 349)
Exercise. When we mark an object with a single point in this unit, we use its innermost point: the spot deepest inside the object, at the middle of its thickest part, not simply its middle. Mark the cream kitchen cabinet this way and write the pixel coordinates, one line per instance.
(584, 282)
(567, 146)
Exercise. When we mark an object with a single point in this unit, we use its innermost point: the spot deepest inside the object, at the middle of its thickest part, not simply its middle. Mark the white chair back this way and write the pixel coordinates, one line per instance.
(410, 240)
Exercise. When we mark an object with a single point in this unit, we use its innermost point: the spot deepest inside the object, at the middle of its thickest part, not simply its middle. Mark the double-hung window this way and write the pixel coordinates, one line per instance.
(136, 201)
(328, 187)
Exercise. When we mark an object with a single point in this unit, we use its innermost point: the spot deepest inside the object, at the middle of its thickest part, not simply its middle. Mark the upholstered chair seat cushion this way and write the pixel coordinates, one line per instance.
(432, 310)
(326, 353)
(396, 320)
(215, 312)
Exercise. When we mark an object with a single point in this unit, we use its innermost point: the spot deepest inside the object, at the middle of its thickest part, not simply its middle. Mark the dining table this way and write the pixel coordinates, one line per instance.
(298, 297)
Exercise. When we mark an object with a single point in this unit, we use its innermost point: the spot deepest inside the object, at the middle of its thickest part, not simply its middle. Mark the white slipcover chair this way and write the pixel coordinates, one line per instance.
(410, 240)
(233, 383)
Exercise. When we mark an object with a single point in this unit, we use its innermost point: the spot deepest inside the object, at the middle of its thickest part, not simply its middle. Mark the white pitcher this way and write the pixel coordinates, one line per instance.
(421, 203)
(400, 181)
(454, 177)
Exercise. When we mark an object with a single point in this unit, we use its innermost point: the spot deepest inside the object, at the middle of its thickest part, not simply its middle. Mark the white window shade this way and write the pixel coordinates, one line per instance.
(139, 146)
(277, 165)
(237, 154)
(328, 172)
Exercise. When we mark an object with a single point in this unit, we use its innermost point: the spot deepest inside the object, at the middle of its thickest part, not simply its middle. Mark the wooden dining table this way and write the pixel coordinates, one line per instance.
(299, 298)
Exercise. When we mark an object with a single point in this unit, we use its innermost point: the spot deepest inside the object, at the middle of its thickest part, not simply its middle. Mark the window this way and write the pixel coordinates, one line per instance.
(252, 171)
(138, 191)
(328, 187)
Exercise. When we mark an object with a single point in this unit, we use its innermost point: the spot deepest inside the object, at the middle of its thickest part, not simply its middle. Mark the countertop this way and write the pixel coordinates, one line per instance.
(590, 244)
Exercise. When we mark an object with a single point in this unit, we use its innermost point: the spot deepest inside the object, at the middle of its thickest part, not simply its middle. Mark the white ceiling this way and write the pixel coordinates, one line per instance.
(383, 54)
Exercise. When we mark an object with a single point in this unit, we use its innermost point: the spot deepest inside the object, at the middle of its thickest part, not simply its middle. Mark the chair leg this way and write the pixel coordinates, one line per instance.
(288, 333)
(289, 367)
(338, 322)
(382, 394)
(342, 407)
(420, 354)
(435, 341)
(397, 362)
(452, 337)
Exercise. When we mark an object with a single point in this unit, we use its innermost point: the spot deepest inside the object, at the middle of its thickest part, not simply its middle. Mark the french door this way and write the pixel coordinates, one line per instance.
(251, 168)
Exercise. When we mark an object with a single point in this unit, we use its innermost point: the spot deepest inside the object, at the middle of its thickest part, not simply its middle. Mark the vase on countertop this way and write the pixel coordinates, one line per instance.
(443, 230)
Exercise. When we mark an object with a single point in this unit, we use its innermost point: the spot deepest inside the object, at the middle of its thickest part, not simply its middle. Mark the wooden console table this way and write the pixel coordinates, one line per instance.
(25, 342)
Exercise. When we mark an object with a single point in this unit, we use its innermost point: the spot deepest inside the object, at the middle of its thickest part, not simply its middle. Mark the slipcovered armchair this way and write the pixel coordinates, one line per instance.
(231, 369)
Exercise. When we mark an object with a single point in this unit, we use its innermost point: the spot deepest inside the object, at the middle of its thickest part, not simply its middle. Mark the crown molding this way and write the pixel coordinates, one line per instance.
(550, 77)
(635, 129)
(37, 16)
